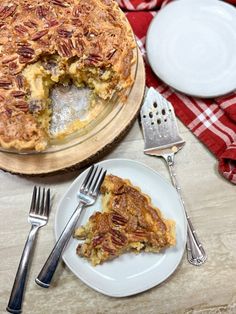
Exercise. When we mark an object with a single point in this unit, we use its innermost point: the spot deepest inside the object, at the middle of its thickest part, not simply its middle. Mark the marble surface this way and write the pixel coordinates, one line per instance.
(210, 200)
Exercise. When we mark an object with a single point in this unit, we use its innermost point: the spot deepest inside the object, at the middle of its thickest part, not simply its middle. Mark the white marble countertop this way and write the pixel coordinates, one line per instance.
(210, 200)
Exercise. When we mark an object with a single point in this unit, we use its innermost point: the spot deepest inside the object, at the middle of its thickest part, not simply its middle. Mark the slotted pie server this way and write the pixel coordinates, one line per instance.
(162, 139)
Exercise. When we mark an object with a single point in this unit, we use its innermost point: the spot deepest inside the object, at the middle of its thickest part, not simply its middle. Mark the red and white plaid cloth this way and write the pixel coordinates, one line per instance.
(212, 121)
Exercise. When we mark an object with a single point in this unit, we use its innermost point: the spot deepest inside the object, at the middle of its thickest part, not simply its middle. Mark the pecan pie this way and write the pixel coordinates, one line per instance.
(128, 222)
(42, 43)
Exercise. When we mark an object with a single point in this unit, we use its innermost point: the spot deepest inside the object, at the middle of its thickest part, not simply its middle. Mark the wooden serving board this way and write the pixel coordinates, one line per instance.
(84, 153)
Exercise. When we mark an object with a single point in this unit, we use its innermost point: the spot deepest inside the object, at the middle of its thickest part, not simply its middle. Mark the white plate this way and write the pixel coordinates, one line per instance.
(191, 46)
(130, 273)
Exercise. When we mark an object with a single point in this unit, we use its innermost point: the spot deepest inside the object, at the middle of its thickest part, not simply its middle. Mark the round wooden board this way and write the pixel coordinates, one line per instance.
(80, 155)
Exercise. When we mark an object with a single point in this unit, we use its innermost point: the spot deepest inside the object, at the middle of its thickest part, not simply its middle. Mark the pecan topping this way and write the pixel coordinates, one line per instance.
(119, 220)
(5, 83)
(64, 49)
(18, 93)
(64, 33)
(22, 105)
(93, 58)
(31, 24)
(39, 34)
(8, 11)
(21, 29)
(60, 3)
(9, 59)
(140, 233)
(76, 21)
(12, 67)
(26, 52)
(51, 23)
(108, 250)
(97, 240)
(41, 11)
(117, 237)
(19, 81)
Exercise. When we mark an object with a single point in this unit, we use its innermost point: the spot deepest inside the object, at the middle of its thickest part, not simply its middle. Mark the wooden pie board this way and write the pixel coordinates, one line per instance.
(84, 153)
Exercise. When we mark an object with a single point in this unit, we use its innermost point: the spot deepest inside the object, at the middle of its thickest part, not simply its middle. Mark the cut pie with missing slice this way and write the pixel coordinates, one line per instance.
(87, 43)
(128, 222)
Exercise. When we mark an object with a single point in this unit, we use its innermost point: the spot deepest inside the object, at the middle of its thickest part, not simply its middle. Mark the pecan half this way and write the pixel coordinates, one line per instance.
(60, 3)
(76, 21)
(18, 94)
(117, 237)
(19, 81)
(8, 11)
(31, 24)
(97, 240)
(108, 250)
(12, 67)
(25, 51)
(64, 49)
(41, 11)
(118, 220)
(39, 34)
(5, 83)
(93, 59)
(9, 59)
(140, 233)
(64, 33)
(22, 105)
(52, 22)
(21, 29)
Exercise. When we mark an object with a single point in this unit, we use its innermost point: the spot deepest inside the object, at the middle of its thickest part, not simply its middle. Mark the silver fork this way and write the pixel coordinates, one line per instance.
(162, 139)
(38, 217)
(87, 196)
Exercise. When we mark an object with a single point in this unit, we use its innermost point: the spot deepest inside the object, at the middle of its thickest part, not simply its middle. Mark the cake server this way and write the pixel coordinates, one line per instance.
(162, 139)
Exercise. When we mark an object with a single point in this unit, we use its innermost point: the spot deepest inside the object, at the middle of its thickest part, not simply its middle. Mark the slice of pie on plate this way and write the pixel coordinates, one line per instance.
(128, 222)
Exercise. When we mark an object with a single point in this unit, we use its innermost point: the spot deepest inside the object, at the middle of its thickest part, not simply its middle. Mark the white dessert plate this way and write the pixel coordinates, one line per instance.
(191, 46)
(130, 273)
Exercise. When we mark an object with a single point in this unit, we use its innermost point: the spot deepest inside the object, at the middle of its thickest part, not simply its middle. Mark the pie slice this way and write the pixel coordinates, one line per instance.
(128, 222)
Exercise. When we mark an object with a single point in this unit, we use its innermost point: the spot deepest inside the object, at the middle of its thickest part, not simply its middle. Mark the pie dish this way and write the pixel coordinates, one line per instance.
(128, 222)
(87, 43)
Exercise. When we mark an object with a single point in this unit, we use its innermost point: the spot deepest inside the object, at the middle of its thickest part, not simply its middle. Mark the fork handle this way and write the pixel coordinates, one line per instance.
(15, 301)
(45, 276)
(195, 252)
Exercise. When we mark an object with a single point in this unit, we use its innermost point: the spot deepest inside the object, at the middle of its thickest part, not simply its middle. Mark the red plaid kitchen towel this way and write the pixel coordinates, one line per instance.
(212, 121)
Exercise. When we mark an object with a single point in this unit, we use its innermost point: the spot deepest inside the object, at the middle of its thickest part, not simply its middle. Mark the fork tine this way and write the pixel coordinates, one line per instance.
(91, 179)
(98, 182)
(32, 206)
(95, 181)
(37, 205)
(87, 177)
(47, 204)
(42, 205)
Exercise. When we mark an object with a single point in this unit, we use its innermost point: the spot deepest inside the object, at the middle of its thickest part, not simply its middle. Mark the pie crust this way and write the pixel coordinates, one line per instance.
(86, 42)
(128, 222)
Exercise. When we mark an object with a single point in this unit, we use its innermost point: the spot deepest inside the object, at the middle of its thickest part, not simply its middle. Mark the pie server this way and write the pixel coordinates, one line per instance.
(162, 139)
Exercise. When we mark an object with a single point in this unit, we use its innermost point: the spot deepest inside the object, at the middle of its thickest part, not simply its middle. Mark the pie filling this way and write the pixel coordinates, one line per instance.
(128, 222)
(50, 71)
